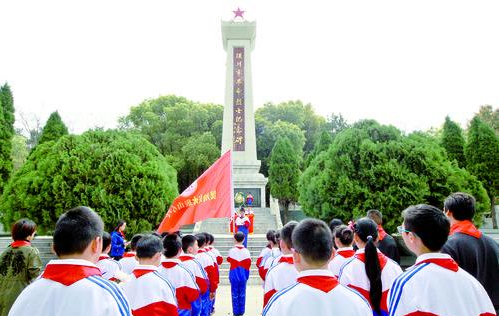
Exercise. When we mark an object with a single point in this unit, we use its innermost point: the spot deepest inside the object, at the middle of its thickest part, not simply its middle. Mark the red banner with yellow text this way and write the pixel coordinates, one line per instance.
(210, 196)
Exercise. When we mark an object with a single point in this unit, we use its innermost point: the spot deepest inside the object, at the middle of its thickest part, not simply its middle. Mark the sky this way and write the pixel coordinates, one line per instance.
(405, 63)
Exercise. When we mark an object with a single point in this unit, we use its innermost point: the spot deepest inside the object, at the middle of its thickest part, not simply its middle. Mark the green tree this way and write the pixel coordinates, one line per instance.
(322, 144)
(269, 133)
(7, 119)
(54, 129)
(482, 159)
(119, 175)
(490, 117)
(284, 173)
(169, 122)
(336, 123)
(452, 140)
(297, 113)
(374, 166)
(19, 151)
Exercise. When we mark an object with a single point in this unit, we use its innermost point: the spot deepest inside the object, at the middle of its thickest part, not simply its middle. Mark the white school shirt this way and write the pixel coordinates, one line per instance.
(280, 276)
(342, 256)
(317, 293)
(128, 262)
(217, 254)
(271, 260)
(353, 274)
(189, 262)
(436, 285)
(241, 221)
(208, 265)
(109, 267)
(149, 293)
(71, 287)
(263, 254)
(186, 289)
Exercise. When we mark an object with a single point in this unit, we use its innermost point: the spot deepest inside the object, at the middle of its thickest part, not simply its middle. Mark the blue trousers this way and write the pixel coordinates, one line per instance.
(205, 304)
(196, 307)
(243, 229)
(238, 291)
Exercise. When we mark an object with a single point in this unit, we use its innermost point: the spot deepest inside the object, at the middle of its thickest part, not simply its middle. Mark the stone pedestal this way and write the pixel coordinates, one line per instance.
(239, 116)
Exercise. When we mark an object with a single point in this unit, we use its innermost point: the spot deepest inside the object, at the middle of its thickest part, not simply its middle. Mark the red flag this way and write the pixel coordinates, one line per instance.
(210, 196)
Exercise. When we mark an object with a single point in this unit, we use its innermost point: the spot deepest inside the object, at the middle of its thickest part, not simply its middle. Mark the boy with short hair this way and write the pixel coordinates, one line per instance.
(210, 268)
(284, 273)
(148, 291)
(186, 289)
(435, 285)
(240, 262)
(109, 267)
(473, 251)
(190, 249)
(317, 291)
(129, 261)
(72, 285)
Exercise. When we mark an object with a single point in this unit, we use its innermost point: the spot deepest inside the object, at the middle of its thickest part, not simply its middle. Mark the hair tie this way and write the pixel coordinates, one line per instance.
(369, 237)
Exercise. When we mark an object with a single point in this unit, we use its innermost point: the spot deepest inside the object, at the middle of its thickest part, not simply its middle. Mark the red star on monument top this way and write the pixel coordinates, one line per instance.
(238, 13)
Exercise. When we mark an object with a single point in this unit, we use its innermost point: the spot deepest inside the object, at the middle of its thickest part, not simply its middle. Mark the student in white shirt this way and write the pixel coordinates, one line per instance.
(109, 267)
(129, 261)
(148, 292)
(343, 239)
(435, 285)
(369, 272)
(317, 292)
(283, 273)
(72, 285)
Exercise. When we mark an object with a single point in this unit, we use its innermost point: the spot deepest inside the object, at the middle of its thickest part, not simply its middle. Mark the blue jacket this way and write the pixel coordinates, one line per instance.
(117, 244)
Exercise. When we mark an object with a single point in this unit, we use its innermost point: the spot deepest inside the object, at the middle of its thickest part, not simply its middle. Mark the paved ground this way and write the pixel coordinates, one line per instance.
(254, 301)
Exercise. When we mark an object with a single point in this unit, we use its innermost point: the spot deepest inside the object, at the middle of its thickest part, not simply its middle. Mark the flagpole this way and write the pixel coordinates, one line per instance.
(232, 212)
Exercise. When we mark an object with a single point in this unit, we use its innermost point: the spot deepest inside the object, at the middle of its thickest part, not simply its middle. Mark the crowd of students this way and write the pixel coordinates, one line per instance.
(308, 268)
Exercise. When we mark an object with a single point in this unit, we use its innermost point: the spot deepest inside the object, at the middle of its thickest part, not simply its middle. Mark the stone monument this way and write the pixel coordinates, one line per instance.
(238, 36)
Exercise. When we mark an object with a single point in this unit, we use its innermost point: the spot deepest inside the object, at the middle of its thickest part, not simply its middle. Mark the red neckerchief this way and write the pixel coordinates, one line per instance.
(447, 263)
(129, 254)
(381, 233)
(286, 259)
(104, 256)
(345, 253)
(465, 227)
(381, 257)
(239, 247)
(169, 264)
(20, 243)
(122, 235)
(201, 251)
(186, 257)
(68, 274)
(320, 282)
(140, 272)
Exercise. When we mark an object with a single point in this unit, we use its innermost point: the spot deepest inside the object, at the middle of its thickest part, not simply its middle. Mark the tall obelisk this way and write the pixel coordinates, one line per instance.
(238, 36)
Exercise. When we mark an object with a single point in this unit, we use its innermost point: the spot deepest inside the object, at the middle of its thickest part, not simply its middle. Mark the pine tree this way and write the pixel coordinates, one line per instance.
(7, 119)
(54, 128)
(482, 159)
(453, 142)
(284, 172)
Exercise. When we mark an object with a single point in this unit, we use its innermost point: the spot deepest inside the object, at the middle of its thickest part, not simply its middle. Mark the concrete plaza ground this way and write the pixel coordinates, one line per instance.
(254, 301)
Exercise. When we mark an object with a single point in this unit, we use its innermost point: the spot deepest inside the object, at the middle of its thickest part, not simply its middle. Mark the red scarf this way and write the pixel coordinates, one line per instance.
(140, 272)
(345, 253)
(465, 227)
(168, 264)
(68, 274)
(20, 243)
(447, 263)
(129, 254)
(381, 233)
(320, 282)
(381, 257)
(286, 259)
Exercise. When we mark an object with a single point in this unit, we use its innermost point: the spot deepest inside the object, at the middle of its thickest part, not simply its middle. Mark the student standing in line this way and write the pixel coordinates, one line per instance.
(239, 258)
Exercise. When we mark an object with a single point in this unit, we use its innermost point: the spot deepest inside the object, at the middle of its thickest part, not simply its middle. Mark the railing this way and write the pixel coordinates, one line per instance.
(274, 210)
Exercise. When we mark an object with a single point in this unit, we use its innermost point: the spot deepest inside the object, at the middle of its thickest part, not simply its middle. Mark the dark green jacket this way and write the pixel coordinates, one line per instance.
(18, 268)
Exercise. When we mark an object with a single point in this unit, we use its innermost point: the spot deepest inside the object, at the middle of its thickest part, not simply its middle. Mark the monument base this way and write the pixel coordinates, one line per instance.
(247, 179)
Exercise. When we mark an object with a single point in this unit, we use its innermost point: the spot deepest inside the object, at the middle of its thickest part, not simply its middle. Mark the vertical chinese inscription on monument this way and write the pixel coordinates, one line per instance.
(238, 99)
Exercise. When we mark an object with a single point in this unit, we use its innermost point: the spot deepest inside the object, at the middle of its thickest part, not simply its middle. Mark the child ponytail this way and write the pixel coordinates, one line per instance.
(367, 230)
(373, 271)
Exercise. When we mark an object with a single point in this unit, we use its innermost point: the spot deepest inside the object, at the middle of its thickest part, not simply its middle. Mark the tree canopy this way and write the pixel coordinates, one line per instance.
(120, 175)
(375, 166)
(452, 140)
(7, 119)
(482, 158)
(54, 128)
(178, 127)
